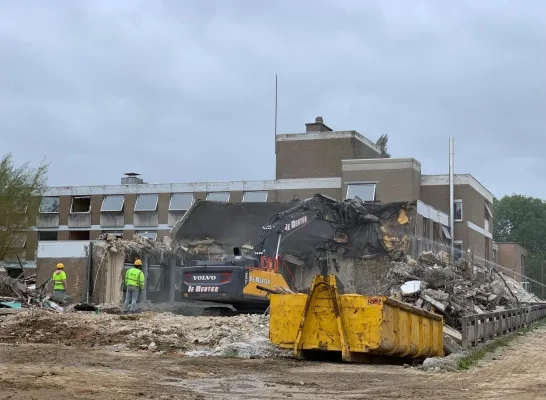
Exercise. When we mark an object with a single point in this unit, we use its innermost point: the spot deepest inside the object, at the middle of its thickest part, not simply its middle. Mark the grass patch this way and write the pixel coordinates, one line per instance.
(472, 359)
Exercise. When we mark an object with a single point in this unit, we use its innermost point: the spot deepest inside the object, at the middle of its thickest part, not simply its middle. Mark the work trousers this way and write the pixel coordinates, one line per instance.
(131, 296)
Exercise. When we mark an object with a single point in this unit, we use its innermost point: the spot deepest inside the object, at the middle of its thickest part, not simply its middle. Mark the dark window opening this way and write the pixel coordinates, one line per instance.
(458, 210)
(48, 235)
(79, 235)
(81, 205)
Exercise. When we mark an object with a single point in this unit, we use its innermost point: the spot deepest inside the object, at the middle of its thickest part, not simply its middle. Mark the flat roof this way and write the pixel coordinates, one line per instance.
(285, 137)
(460, 179)
(244, 186)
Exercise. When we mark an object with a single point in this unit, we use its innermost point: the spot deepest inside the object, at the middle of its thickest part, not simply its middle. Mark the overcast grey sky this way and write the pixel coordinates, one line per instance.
(183, 90)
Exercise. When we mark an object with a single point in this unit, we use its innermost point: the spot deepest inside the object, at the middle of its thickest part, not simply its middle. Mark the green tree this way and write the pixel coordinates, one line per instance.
(20, 190)
(382, 144)
(522, 219)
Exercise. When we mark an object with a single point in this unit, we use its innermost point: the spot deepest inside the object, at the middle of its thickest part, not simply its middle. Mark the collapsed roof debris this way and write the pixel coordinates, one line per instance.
(214, 228)
(352, 227)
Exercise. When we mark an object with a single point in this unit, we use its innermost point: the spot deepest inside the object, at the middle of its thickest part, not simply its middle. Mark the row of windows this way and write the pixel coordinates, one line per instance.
(180, 201)
(144, 202)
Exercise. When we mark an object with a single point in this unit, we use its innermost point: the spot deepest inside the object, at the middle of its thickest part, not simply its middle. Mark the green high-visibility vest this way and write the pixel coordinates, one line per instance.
(134, 277)
(58, 280)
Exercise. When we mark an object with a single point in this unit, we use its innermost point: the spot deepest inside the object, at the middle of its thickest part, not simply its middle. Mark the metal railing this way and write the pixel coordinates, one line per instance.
(479, 328)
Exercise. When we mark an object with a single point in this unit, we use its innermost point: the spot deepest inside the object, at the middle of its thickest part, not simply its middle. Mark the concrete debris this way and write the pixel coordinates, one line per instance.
(243, 336)
(25, 293)
(434, 284)
(440, 364)
(411, 287)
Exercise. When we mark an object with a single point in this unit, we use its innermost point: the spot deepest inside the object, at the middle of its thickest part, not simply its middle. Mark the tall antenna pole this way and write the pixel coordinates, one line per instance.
(451, 198)
(276, 92)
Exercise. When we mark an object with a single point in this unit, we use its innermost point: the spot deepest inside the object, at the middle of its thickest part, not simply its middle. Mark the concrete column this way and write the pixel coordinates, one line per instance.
(171, 279)
(145, 271)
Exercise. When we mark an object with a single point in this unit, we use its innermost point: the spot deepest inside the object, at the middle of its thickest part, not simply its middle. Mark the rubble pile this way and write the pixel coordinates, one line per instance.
(244, 336)
(434, 284)
(139, 245)
(23, 293)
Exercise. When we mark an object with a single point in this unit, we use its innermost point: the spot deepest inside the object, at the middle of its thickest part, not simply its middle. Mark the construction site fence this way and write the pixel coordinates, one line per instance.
(478, 329)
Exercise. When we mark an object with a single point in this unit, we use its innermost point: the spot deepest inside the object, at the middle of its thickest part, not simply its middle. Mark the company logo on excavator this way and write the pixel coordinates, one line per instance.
(204, 277)
(295, 223)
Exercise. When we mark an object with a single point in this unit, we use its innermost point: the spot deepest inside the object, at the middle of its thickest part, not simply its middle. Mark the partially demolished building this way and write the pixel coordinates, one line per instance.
(352, 237)
(338, 164)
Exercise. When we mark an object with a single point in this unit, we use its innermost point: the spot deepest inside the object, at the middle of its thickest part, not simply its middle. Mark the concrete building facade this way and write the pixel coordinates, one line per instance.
(339, 164)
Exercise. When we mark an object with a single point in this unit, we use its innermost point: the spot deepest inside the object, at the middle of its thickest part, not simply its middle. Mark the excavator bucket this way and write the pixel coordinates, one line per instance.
(359, 327)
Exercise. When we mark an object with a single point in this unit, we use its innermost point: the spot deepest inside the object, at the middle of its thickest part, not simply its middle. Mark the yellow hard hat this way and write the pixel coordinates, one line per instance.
(60, 265)
(138, 263)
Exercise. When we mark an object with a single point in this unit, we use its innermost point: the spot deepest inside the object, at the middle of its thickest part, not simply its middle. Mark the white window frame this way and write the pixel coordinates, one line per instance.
(458, 201)
(257, 191)
(226, 201)
(181, 209)
(147, 210)
(80, 212)
(349, 184)
(112, 195)
(50, 212)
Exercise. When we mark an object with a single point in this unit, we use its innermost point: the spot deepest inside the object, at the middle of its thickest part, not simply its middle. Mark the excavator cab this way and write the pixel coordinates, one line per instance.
(234, 280)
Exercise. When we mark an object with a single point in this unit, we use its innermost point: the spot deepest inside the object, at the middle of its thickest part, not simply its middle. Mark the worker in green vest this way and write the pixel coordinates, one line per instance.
(134, 280)
(59, 279)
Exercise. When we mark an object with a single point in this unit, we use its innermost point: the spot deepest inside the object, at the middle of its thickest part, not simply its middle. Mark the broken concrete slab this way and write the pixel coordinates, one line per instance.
(411, 287)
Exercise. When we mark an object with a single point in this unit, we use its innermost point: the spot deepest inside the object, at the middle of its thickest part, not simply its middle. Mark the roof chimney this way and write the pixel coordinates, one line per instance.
(317, 126)
(131, 178)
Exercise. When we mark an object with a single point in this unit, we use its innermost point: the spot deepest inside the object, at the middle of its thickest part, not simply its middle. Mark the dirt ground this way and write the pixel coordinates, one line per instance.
(46, 371)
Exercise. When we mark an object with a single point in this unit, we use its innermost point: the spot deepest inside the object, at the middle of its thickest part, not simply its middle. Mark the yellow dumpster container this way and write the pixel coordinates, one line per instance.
(355, 325)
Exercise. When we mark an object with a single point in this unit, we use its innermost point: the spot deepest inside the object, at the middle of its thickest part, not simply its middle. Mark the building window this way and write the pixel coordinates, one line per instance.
(218, 196)
(81, 205)
(148, 234)
(79, 235)
(446, 232)
(364, 191)
(146, 202)
(458, 210)
(181, 201)
(255, 197)
(49, 205)
(48, 235)
(487, 217)
(112, 203)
